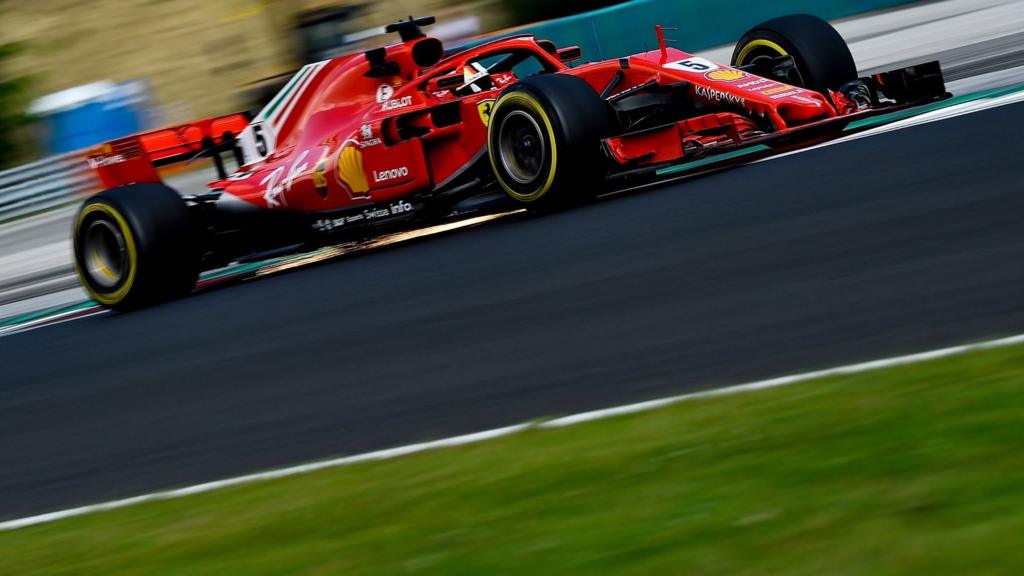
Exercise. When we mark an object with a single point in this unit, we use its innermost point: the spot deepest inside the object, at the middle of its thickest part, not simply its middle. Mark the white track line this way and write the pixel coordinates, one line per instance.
(507, 431)
(45, 321)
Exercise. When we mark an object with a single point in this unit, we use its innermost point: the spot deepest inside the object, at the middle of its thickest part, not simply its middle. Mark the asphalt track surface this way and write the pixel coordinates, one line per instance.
(886, 245)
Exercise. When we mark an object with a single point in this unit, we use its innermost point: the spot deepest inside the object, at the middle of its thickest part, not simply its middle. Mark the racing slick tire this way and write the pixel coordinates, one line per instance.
(135, 245)
(823, 59)
(544, 141)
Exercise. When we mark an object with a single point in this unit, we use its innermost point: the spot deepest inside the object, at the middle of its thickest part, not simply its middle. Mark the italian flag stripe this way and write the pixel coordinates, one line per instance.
(269, 110)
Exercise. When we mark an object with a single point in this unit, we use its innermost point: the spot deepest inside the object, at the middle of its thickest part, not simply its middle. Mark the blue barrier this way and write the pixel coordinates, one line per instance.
(90, 124)
(87, 115)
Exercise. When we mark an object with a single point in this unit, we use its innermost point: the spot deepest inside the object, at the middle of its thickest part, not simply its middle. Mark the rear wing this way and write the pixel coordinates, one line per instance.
(135, 159)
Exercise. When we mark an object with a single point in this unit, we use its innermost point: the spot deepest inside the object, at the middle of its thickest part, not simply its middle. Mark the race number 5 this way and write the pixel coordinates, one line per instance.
(694, 64)
(259, 139)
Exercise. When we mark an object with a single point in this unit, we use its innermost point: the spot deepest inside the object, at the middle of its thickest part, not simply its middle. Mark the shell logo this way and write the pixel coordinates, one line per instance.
(726, 75)
(351, 171)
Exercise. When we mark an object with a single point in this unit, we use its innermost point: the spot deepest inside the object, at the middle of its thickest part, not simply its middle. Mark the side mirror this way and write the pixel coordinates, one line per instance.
(427, 51)
(569, 53)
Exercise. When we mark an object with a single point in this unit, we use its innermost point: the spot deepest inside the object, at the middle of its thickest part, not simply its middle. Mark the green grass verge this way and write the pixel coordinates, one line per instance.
(911, 470)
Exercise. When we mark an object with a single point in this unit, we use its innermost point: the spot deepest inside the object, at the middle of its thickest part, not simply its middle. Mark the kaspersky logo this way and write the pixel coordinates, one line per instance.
(351, 171)
(726, 75)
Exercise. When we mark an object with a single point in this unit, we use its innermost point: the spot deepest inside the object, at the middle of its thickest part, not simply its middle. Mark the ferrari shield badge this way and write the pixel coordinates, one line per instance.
(484, 108)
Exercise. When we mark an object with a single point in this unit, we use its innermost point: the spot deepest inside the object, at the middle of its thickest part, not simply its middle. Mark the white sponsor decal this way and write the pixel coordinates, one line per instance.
(395, 104)
(787, 94)
(693, 64)
(718, 96)
(384, 93)
(274, 195)
(807, 101)
(386, 175)
(326, 224)
(400, 207)
(298, 167)
(275, 190)
(759, 83)
(368, 215)
(106, 161)
(374, 213)
(393, 209)
(366, 131)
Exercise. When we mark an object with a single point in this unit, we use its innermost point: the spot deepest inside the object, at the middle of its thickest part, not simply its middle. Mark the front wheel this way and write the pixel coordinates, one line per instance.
(823, 59)
(136, 245)
(544, 141)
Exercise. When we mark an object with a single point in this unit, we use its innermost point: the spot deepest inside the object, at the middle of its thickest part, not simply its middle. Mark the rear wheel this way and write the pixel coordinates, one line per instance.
(135, 246)
(823, 59)
(544, 140)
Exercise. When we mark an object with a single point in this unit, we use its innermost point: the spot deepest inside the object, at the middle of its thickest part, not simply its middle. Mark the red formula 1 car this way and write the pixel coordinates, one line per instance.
(399, 136)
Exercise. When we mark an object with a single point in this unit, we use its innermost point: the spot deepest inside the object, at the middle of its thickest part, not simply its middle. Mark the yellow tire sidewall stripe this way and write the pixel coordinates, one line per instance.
(530, 103)
(108, 298)
(759, 43)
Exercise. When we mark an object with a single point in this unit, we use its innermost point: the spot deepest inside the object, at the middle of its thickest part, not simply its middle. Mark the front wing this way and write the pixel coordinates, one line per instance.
(649, 151)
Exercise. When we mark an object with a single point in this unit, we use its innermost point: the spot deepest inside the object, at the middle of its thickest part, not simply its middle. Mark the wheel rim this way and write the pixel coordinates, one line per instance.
(521, 146)
(766, 52)
(105, 253)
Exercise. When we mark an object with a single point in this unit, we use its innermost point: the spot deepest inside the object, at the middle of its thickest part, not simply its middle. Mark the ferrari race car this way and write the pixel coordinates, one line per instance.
(401, 136)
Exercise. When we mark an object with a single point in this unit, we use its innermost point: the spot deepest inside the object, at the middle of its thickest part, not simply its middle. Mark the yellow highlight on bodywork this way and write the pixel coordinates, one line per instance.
(320, 177)
(351, 171)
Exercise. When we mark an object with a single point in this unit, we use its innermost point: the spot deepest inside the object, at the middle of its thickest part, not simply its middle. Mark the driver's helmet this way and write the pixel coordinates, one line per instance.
(475, 78)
